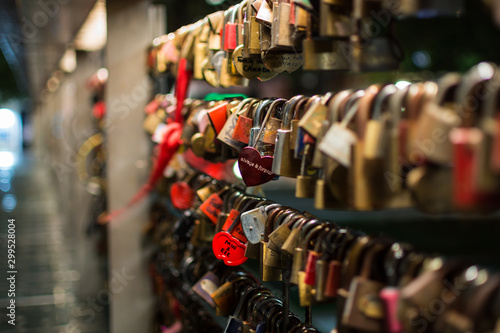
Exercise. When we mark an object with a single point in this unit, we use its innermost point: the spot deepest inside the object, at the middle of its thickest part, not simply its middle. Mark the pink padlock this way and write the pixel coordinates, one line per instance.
(390, 297)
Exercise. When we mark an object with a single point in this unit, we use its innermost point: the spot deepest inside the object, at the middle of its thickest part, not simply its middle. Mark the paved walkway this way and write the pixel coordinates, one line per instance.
(47, 279)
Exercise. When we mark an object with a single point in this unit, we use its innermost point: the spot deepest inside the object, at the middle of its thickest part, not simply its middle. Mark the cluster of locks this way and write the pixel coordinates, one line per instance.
(213, 227)
(261, 38)
(434, 146)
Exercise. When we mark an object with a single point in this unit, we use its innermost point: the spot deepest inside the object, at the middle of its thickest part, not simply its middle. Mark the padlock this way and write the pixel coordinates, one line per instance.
(416, 298)
(431, 188)
(306, 180)
(254, 162)
(438, 117)
(358, 194)
(349, 270)
(466, 141)
(323, 53)
(281, 30)
(314, 116)
(335, 19)
(227, 131)
(264, 12)
(395, 176)
(265, 40)
(254, 221)
(244, 123)
(339, 139)
(270, 263)
(486, 175)
(364, 309)
(371, 50)
(258, 120)
(281, 230)
(471, 311)
(201, 50)
(284, 163)
(336, 145)
(298, 135)
(303, 231)
(230, 33)
(274, 122)
(375, 152)
(210, 73)
(251, 33)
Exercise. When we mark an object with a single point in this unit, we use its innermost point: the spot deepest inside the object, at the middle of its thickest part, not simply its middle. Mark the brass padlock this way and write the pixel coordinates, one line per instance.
(364, 309)
(284, 164)
(306, 180)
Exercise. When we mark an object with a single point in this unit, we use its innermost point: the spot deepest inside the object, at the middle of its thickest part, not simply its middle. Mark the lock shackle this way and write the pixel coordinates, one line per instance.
(295, 219)
(242, 6)
(258, 116)
(271, 106)
(371, 254)
(270, 221)
(282, 217)
(491, 107)
(333, 241)
(271, 317)
(274, 109)
(229, 200)
(470, 94)
(311, 238)
(240, 311)
(321, 241)
(344, 246)
(241, 107)
(205, 31)
(234, 12)
(446, 89)
(258, 295)
(352, 260)
(286, 218)
(263, 307)
(397, 104)
(365, 109)
(382, 99)
(351, 107)
(288, 111)
(255, 304)
(300, 108)
(298, 111)
(396, 255)
(334, 105)
(307, 226)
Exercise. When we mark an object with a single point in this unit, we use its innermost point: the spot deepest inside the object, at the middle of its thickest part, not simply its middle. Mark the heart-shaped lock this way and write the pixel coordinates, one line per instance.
(256, 169)
(229, 249)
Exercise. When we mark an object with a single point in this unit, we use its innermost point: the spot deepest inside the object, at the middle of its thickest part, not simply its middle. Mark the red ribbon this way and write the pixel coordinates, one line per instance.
(169, 145)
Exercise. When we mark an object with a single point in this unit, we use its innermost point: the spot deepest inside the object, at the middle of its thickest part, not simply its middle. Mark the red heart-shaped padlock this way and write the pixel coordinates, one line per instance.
(255, 169)
(229, 249)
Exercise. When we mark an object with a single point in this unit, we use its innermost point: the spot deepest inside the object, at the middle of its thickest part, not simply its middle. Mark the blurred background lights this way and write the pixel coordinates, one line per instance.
(9, 202)
(402, 84)
(7, 118)
(421, 59)
(236, 170)
(7, 159)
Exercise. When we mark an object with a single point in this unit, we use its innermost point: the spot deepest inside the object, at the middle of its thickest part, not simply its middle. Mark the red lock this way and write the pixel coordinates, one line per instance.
(230, 33)
(228, 247)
